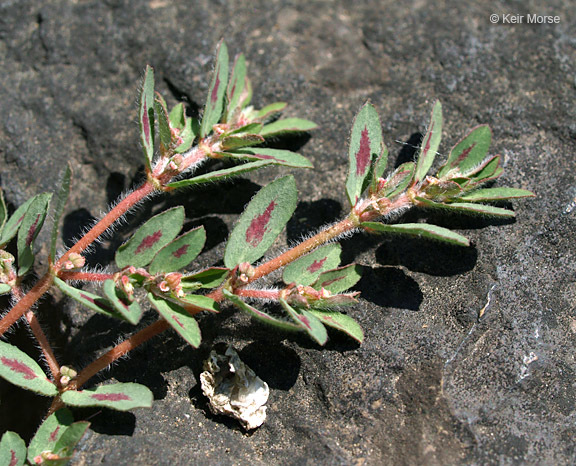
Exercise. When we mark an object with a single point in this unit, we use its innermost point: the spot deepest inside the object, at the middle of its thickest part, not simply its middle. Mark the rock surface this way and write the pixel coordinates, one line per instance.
(432, 383)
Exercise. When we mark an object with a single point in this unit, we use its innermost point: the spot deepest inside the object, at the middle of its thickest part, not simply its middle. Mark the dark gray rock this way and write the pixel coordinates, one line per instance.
(432, 383)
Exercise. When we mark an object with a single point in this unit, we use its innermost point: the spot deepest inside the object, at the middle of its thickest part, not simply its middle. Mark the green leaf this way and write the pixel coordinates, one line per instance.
(199, 302)
(365, 147)
(236, 87)
(68, 440)
(118, 396)
(308, 321)
(287, 125)
(469, 152)
(420, 230)
(270, 110)
(250, 128)
(20, 369)
(261, 222)
(12, 449)
(469, 208)
(218, 175)
(163, 122)
(146, 115)
(379, 166)
(129, 310)
(216, 93)
(238, 141)
(496, 194)
(156, 233)
(209, 278)
(3, 211)
(273, 156)
(399, 180)
(61, 200)
(190, 132)
(177, 116)
(307, 269)
(180, 320)
(260, 315)
(488, 170)
(340, 279)
(340, 322)
(49, 433)
(430, 143)
(5, 289)
(13, 224)
(180, 252)
(441, 190)
(90, 300)
(29, 229)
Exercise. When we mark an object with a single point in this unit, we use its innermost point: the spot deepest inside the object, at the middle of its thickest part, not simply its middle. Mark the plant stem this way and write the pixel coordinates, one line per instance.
(118, 351)
(333, 231)
(85, 276)
(27, 301)
(258, 294)
(46, 281)
(114, 214)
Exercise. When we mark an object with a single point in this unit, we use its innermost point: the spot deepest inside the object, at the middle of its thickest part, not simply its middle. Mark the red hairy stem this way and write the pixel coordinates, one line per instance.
(258, 294)
(85, 276)
(40, 338)
(342, 227)
(114, 214)
(118, 351)
(46, 281)
(27, 301)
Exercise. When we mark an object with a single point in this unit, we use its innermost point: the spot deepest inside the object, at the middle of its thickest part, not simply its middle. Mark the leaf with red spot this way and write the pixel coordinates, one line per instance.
(118, 396)
(469, 152)
(274, 156)
(146, 115)
(178, 318)
(365, 147)
(90, 300)
(216, 92)
(12, 449)
(29, 229)
(340, 322)
(287, 125)
(58, 434)
(20, 369)
(261, 222)
(308, 322)
(156, 233)
(180, 252)
(236, 88)
(340, 279)
(398, 181)
(260, 315)
(419, 230)
(307, 269)
(430, 143)
(129, 310)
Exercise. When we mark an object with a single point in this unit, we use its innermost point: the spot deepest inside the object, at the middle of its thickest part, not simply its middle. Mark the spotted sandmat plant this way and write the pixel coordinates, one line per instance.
(314, 291)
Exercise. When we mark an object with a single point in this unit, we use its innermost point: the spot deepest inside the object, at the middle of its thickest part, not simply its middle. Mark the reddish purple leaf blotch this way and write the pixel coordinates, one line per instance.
(258, 226)
(180, 251)
(110, 397)
(363, 155)
(149, 241)
(20, 368)
(316, 265)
